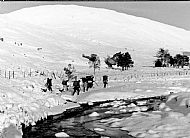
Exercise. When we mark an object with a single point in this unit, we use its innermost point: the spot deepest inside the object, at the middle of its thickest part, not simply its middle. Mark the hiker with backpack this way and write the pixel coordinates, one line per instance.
(105, 80)
(84, 83)
(49, 84)
(89, 81)
(76, 86)
(65, 85)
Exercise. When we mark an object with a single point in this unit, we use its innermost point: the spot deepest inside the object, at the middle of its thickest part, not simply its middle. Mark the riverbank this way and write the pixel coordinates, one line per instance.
(92, 120)
(54, 103)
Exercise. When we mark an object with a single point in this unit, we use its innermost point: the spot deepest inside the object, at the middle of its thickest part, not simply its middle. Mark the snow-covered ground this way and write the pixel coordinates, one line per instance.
(63, 34)
(24, 102)
(170, 121)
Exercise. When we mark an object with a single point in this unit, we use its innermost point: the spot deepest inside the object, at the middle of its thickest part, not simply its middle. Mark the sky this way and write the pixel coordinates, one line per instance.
(175, 13)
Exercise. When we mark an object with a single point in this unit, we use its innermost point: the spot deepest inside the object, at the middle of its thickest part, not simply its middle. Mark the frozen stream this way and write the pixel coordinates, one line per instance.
(93, 120)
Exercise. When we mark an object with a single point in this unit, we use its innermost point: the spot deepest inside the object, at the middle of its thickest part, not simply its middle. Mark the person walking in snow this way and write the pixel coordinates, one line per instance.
(65, 85)
(105, 80)
(76, 86)
(84, 83)
(89, 80)
(49, 84)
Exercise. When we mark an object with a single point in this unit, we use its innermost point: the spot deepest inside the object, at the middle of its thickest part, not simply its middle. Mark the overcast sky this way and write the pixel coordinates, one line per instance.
(172, 13)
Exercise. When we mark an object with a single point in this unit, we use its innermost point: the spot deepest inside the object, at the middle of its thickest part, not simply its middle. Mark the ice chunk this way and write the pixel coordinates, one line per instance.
(143, 108)
(94, 114)
(109, 112)
(90, 103)
(167, 109)
(99, 129)
(162, 105)
(123, 110)
(151, 131)
(132, 105)
(61, 134)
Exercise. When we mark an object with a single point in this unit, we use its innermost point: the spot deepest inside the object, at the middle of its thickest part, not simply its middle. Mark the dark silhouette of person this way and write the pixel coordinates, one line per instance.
(84, 83)
(76, 86)
(65, 86)
(49, 84)
(105, 80)
(89, 82)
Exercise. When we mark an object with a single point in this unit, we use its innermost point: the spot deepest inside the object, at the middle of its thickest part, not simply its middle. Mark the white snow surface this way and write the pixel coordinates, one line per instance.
(66, 32)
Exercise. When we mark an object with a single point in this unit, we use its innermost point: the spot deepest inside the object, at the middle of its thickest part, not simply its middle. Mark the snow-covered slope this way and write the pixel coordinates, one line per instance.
(65, 32)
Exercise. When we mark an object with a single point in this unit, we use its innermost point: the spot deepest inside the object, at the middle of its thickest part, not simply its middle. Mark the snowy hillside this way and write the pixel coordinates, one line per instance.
(53, 36)
(65, 32)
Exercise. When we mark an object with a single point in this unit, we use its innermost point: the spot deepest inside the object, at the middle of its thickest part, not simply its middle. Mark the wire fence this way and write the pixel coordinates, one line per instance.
(119, 76)
(15, 74)
(149, 75)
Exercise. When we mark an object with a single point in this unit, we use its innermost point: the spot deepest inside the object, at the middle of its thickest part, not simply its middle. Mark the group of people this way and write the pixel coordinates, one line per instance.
(87, 82)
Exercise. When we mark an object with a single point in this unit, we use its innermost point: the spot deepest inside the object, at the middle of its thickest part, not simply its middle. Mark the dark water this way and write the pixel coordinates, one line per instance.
(77, 123)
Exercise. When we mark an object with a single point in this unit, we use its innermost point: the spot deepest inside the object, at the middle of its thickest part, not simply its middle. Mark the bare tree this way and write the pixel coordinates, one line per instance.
(94, 61)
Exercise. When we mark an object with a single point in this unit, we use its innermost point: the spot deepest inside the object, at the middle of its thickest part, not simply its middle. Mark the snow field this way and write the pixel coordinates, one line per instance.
(170, 121)
(74, 32)
(22, 101)
(68, 32)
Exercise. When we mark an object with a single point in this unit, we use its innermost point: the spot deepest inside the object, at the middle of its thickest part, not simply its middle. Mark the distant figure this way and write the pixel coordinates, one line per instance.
(76, 86)
(84, 83)
(105, 80)
(89, 80)
(49, 84)
(65, 85)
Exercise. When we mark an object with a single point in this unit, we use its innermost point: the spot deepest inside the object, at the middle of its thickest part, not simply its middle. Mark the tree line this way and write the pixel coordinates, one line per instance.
(122, 60)
(164, 59)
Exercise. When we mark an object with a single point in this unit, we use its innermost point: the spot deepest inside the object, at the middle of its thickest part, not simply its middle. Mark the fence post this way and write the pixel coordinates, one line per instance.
(13, 74)
(9, 74)
(30, 72)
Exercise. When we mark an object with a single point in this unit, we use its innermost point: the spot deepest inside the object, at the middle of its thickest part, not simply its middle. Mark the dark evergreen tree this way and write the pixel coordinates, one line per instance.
(158, 63)
(128, 61)
(181, 60)
(123, 60)
(171, 61)
(164, 56)
(186, 60)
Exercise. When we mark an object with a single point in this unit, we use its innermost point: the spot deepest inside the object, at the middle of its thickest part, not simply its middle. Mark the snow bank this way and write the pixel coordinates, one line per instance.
(27, 104)
(61, 134)
(173, 123)
(103, 96)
